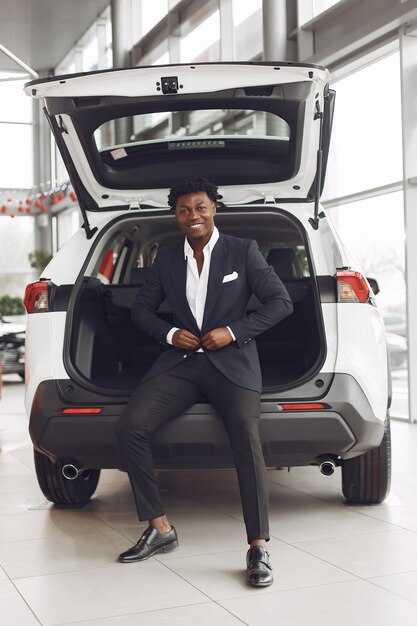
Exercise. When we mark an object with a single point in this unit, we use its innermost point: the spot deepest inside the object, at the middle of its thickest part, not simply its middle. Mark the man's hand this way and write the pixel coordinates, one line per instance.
(185, 340)
(216, 338)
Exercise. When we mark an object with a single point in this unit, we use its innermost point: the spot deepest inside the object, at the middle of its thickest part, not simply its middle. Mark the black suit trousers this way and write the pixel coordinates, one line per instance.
(165, 396)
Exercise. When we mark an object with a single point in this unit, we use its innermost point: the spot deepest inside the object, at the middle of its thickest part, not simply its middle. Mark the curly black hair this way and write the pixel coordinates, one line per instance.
(191, 185)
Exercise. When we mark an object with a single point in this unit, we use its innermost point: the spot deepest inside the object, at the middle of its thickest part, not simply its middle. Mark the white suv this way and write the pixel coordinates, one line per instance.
(260, 131)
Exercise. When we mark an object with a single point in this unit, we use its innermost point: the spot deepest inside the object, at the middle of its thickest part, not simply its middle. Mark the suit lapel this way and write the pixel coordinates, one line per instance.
(216, 274)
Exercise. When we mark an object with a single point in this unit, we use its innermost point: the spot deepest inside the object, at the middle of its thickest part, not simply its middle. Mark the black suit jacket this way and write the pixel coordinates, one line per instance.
(226, 305)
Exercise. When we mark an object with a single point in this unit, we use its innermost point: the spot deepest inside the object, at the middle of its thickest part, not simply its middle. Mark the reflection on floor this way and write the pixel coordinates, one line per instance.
(332, 564)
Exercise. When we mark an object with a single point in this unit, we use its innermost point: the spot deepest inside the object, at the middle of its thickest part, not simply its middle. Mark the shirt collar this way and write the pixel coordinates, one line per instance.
(188, 251)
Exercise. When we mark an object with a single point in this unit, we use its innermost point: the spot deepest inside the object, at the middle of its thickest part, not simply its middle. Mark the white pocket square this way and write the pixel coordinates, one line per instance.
(230, 277)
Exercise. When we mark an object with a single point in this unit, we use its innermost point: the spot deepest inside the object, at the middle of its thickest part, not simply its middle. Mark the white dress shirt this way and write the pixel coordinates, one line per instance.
(196, 284)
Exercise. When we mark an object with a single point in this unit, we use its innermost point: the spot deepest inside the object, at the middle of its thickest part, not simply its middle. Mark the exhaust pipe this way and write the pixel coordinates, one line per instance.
(327, 466)
(71, 471)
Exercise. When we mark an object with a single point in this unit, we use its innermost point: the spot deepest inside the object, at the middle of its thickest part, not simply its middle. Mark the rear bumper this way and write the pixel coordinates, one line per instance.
(197, 438)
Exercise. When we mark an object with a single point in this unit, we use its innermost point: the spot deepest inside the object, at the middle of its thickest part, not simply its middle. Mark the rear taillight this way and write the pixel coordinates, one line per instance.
(36, 297)
(353, 287)
(302, 406)
(82, 410)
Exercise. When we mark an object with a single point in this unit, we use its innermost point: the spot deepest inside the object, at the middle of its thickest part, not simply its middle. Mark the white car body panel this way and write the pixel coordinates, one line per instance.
(330, 325)
(362, 352)
(62, 272)
(43, 359)
(195, 79)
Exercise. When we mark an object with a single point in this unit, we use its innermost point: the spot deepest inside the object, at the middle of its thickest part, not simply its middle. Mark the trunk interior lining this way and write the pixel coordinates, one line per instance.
(108, 350)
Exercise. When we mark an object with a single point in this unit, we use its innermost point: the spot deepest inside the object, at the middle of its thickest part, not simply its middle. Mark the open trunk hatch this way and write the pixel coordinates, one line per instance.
(256, 129)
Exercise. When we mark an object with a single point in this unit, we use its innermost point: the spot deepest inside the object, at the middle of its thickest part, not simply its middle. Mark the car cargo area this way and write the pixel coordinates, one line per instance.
(106, 348)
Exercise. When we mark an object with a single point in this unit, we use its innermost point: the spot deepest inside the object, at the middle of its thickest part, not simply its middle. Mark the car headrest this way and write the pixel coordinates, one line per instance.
(283, 262)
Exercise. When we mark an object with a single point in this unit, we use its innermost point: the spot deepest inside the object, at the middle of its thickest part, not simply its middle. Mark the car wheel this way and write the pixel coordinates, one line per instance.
(366, 479)
(58, 489)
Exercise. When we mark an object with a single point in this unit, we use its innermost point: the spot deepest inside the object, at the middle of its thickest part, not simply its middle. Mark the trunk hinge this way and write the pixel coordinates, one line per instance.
(269, 197)
(314, 221)
(61, 126)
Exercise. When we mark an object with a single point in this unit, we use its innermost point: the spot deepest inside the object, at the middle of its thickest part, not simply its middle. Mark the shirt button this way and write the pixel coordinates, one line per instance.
(184, 356)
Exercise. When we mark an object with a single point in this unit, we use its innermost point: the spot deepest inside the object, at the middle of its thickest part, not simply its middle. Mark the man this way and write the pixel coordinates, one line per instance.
(207, 280)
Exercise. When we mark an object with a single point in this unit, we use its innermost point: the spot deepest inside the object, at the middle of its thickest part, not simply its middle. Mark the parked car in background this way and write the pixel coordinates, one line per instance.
(260, 131)
(12, 345)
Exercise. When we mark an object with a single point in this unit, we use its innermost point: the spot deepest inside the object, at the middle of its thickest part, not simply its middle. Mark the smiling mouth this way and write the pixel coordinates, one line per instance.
(195, 226)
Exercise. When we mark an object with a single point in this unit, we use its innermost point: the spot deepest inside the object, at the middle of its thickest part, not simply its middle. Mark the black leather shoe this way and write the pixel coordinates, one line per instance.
(151, 542)
(259, 570)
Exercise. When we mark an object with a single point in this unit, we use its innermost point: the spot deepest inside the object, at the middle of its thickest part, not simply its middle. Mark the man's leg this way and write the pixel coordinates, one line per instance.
(156, 401)
(239, 409)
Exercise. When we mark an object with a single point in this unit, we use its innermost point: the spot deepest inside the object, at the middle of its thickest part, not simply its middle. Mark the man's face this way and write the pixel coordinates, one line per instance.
(195, 216)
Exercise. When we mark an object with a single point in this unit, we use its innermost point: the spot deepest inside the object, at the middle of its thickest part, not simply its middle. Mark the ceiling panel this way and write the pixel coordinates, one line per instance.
(41, 32)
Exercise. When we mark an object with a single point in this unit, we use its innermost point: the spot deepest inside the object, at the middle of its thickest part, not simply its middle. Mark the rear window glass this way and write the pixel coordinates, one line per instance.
(229, 146)
(232, 146)
(177, 126)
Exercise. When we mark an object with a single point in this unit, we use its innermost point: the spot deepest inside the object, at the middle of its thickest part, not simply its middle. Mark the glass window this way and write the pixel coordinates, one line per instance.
(16, 158)
(248, 29)
(15, 106)
(109, 44)
(162, 60)
(17, 238)
(242, 9)
(68, 222)
(90, 56)
(200, 38)
(61, 170)
(152, 13)
(373, 232)
(224, 142)
(366, 145)
(202, 124)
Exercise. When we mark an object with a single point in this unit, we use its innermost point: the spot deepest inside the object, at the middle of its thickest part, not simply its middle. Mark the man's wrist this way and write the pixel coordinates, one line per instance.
(171, 334)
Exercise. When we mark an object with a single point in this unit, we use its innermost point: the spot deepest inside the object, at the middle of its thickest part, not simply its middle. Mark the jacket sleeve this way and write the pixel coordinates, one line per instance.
(148, 299)
(265, 284)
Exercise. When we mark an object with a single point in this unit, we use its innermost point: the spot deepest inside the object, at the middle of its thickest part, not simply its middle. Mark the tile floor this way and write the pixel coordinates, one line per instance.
(333, 564)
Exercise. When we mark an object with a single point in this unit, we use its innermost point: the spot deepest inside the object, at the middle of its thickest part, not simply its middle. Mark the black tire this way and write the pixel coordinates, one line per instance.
(57, 489)
(366, 479)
